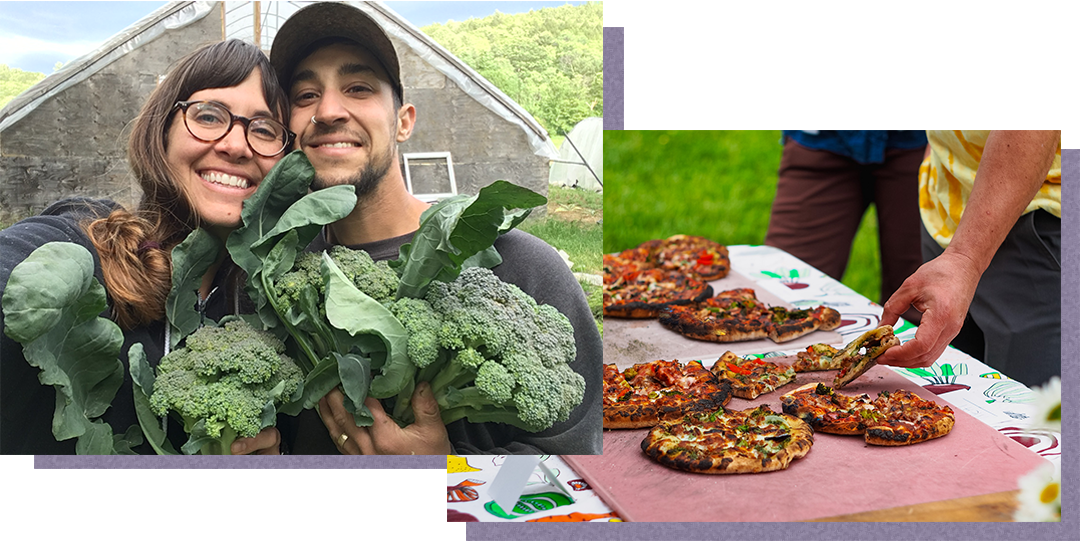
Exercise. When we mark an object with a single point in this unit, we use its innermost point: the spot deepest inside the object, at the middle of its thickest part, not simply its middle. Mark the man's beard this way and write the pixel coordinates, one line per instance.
(366, 180)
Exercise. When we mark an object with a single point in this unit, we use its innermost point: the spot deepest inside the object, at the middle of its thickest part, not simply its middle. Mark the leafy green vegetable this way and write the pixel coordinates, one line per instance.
(225, 383)
(51, 306)
(460, 228)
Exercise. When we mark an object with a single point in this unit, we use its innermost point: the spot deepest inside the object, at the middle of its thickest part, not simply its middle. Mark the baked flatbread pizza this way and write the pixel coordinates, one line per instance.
(645, 293)
(730, 442)
(751, 378)
(817, 357)
(896, 418)
(689, 254)
(641, 281)
(737, 315)
(828, 411)
(645, 394)
(906, 419)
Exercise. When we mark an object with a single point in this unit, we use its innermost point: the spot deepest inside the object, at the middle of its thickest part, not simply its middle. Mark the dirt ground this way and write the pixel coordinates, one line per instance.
(576, 214)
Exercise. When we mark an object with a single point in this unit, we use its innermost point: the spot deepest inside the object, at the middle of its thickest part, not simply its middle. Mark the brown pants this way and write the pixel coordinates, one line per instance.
(821, 198)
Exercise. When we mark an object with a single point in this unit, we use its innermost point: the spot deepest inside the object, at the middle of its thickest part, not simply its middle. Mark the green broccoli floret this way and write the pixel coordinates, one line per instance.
(374, 278)
(507, 360)
(423, 325)
(225, 383)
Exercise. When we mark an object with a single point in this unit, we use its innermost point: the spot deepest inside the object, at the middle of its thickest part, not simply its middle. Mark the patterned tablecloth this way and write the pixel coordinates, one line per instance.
(956, 377)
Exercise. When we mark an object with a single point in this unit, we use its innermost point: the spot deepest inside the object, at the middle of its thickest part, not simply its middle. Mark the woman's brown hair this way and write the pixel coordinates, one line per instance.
(135, 247)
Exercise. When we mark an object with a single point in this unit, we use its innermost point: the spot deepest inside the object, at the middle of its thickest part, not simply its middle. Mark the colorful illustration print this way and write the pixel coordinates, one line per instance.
(529, 504)
(458, 464)
(1008, 391)
(579, 517)
(463, 491)
(940, 379)
(578, 484)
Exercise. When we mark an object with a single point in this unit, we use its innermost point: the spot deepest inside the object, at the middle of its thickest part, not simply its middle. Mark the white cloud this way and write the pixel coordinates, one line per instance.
(14, 48)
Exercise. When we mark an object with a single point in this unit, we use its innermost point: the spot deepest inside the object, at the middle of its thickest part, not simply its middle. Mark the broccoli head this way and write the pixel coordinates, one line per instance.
(508, 357)
(374, 278)
(226, 383)
(423, 325)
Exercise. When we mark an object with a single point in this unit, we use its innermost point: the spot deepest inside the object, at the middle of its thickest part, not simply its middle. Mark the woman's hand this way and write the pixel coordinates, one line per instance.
(266, 443)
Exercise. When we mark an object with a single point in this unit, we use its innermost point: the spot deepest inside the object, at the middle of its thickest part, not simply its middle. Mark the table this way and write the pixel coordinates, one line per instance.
(960, 380)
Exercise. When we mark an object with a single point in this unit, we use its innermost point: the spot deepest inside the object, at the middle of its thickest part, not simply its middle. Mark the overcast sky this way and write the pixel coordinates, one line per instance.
(34, 36)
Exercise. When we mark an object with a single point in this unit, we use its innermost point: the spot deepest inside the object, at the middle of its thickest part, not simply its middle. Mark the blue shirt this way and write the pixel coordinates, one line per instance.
(862, 146)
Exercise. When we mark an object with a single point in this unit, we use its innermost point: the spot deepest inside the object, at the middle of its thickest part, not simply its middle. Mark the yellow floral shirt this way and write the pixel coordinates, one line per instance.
(946, 177)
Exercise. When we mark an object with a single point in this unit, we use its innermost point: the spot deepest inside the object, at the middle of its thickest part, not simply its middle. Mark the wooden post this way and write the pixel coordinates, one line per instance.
(258, 25)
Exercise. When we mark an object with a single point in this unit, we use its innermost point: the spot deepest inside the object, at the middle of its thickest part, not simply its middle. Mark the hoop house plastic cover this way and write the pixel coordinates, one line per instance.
(568, 171)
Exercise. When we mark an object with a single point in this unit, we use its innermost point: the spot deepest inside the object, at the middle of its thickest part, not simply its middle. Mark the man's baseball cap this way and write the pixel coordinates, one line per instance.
(316, 22)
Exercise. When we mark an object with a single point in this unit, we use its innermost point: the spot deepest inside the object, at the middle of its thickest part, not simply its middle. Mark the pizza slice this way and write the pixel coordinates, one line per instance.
(645, 293)
(862, 354)
(730, 316)
(817, 357)
(751, 378)
(896, 418)
(645, 394)
(738, 315)
(828, 411)
(905, 418)
(788, 324)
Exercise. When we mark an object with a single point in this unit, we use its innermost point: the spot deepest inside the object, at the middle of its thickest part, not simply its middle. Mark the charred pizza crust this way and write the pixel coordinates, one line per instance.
(645, 293)
(645, 394)
(737, 315)
(751, 378)
(730, 442)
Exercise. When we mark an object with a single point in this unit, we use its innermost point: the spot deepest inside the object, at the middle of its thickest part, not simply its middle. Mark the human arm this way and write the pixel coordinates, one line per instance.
(266, 443)
(1013, 167)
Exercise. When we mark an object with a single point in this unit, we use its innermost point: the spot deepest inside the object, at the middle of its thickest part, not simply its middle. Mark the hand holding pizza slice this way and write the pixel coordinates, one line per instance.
(853, 360)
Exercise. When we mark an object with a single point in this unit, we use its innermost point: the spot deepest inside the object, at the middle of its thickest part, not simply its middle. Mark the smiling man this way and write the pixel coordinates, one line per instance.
(342, 75)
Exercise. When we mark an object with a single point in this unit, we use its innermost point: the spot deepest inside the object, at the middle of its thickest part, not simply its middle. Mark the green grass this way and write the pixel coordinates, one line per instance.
(716, 184)
(571, 225)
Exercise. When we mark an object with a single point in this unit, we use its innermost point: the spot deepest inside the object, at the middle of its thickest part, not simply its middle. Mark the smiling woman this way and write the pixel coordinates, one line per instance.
(189, 179)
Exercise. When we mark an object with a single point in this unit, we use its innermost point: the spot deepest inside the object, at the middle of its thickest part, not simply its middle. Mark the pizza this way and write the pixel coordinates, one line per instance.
(641, 281)
(645, 394)
(828, 411)
(737, 315)
(907, 419)
(645, 293)
(862, 354)
(751, 378)
(816, 358)
(689, 254)
(730, 442)
(852, 361)
(896, 418)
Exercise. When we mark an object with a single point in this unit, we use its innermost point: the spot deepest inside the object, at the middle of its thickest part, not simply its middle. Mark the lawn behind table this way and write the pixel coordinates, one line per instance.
(716, 184)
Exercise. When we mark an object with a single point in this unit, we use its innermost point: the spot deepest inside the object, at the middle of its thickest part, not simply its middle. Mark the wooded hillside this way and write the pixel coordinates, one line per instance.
(15, 81)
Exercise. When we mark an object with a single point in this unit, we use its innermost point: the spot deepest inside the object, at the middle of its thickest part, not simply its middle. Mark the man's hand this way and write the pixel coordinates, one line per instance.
(426, 436)
(942, 290)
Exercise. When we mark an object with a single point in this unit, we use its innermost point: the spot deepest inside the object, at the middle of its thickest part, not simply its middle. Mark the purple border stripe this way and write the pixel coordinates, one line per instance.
(613, 78)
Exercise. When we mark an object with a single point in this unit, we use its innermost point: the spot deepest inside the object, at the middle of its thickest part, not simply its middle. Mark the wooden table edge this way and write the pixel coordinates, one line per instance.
(995, 507)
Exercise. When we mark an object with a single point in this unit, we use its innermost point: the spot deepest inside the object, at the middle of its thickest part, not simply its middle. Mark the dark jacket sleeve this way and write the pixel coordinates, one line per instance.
(27, 406)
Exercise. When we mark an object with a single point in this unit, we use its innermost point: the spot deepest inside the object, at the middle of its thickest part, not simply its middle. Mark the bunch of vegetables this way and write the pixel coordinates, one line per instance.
(435, 314)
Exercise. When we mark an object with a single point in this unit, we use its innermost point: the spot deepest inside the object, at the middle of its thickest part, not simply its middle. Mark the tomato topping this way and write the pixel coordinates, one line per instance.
(738, 369)
(705, 258)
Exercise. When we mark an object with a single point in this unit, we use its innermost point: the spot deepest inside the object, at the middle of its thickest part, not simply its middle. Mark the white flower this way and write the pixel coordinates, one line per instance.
(1040, 495)
(1047, 406)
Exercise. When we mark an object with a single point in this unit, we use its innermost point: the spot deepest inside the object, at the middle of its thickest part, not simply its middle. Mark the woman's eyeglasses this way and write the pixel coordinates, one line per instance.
(209, 121)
